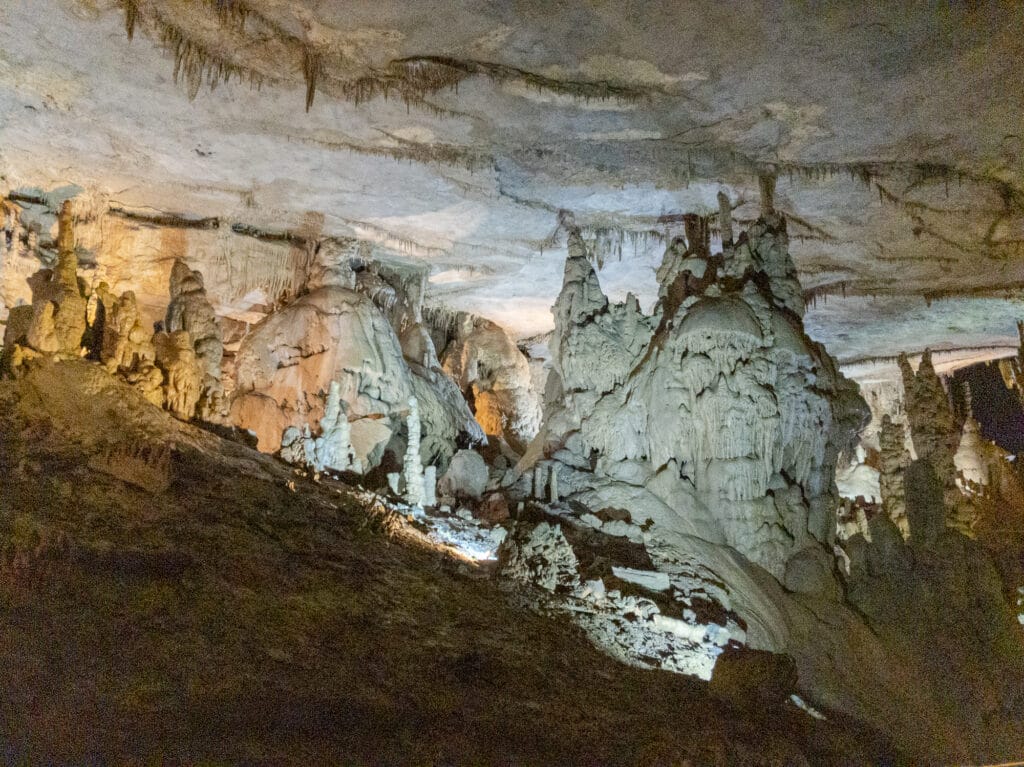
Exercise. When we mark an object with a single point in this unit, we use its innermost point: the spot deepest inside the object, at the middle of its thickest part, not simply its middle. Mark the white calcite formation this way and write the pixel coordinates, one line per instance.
(333, 333)
(466, 476)
(718, 405)
(974, 454)
(331, 448)
(630, 627)
(412, 467)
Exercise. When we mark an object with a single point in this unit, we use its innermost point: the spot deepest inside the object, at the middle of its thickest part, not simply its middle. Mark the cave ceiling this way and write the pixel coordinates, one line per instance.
(453, 132)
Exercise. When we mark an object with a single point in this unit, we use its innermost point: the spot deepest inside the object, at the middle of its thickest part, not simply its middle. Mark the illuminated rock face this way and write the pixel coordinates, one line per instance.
(58, 301)
(719, 397)
(494, 375)
(287, 363)
(183, 372)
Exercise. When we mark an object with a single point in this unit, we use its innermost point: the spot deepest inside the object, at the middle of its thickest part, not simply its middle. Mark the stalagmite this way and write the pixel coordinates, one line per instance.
(331, 448)
(190, 310)
(969, 460)
(394, 481)
(412, 469)
(125, 346)
(183, 373)
(430, 486)
(935, 433)
(729, 403)
(894, 459)
(59, 306)
(725, 218)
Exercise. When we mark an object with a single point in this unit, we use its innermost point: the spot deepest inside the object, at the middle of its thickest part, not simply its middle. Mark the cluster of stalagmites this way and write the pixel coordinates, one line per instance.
(717, 410)
(177, 368)
(948, 452)
(327, 378)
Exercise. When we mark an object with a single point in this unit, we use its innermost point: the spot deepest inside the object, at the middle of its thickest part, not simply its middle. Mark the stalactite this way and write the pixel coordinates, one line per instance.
(822, 292)
(131, 17)
(312, 64)
(194, 63)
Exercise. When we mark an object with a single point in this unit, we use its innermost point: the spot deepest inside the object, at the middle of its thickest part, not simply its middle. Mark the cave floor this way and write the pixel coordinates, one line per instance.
(233, 619)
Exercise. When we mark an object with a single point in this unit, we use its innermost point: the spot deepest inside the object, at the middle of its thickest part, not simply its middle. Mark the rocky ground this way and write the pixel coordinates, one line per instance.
(205, 605)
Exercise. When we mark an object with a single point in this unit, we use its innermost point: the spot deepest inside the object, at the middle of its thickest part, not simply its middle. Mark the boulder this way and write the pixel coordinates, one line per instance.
(753, 679)
(466, 477)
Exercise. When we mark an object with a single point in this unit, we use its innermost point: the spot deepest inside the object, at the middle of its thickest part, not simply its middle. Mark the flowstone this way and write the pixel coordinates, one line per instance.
(719, 396)
(333, 333)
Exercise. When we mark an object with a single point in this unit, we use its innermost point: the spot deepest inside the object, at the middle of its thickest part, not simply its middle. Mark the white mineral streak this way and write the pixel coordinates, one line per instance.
(412, 468)
(631, 628)
(430, 486)
(331, 448)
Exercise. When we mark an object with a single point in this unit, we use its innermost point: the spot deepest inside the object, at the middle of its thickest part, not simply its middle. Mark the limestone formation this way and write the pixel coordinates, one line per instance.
(124, 346)
(935, 432)
(125, 343)
(412, 468)
(182, 370)
(493, 374)
(974, 454)
(894, 459)
(59, 306)
(933, 425)
(19, 320)
(332, 447)
(332, 334)
(190, 310)
(466, 476)
(540, 556)
(719, 397)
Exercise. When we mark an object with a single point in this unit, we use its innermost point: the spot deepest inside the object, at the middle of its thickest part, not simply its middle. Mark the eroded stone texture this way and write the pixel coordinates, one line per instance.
(466, 476)
(125, 346)
(332, 447)
(935, 432)
(190, 310)
(333, 333)
(493, 374)
(59, 305)
(182, 370)
(894, 459)
(720, 396)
